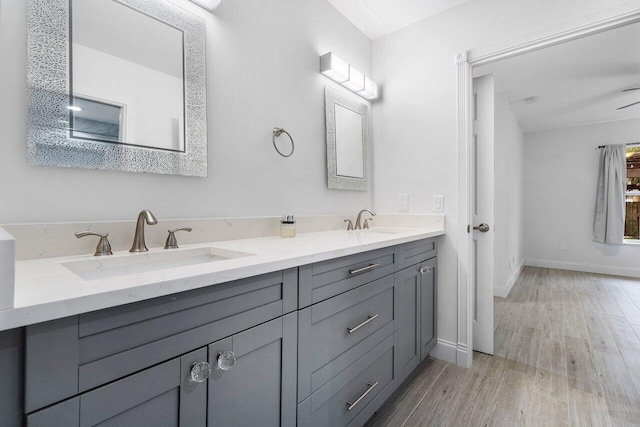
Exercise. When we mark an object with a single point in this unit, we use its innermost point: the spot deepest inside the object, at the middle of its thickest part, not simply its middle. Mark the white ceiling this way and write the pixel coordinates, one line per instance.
(376, 18)
(577, 83)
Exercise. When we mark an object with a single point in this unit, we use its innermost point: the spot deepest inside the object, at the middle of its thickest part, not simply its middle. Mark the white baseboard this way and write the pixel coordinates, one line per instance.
(587, 268)
(444, 350)
(503, 292)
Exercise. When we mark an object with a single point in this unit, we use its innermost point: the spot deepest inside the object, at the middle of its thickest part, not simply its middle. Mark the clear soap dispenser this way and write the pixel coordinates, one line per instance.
(287, 226)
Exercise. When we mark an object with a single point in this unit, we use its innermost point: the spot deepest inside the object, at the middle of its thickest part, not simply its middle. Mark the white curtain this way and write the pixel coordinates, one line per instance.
(608, 226)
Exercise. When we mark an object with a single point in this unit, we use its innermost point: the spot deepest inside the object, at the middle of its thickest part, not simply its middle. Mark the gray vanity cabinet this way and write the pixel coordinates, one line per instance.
(260, 388)
(407, 306)
(323, 344)
(415, 305)
(416, 316)
(164, 395)
(428, 306)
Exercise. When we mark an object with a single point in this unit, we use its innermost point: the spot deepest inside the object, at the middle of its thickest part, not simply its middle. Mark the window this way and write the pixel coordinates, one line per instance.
(632, 216)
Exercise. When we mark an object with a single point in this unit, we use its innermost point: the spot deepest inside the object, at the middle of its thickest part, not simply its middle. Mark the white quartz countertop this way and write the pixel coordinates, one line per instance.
(45, 289)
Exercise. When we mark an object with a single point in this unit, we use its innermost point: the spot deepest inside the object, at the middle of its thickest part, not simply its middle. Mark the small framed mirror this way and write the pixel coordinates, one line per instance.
(347, 123)
(116, 84)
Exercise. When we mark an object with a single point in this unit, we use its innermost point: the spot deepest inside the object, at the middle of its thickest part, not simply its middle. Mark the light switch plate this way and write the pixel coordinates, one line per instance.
(438, 203)
(403, 202)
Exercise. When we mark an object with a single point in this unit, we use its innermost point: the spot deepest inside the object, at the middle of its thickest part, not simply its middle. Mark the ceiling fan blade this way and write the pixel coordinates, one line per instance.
(620, 108)
(630, 89)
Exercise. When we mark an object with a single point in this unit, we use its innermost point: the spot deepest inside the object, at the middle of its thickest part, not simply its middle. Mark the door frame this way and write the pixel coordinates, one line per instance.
(592, 24)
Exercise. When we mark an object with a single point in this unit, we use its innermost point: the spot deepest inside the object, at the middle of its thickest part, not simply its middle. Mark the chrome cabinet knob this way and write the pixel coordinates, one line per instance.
(200, 371)
(104, 247)
(226, 359)
(426, 270)
(171, 242)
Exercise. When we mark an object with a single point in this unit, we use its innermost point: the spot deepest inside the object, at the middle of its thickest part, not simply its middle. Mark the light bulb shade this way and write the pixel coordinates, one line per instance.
(210, 5)
(334, 68)
(356, 80)
(370, 90)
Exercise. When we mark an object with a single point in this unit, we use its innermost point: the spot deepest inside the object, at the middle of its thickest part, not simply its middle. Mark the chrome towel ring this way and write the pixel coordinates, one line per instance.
(276, 133)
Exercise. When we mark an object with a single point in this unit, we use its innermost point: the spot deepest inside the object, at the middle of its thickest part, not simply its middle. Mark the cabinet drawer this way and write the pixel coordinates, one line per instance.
(352, 396)
(326, 279)
(336, 332)
(96, 348)
(415, 252)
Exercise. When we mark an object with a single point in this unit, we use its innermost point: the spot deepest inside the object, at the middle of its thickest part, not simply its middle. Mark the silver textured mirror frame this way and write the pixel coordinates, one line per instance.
(336, 181)
(48, 140)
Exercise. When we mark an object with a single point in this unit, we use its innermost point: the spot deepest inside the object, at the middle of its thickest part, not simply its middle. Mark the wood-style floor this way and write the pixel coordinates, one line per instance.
(567, 352)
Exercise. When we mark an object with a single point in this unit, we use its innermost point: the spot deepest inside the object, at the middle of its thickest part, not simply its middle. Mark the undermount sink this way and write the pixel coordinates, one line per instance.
(384, 230)
(104, 268)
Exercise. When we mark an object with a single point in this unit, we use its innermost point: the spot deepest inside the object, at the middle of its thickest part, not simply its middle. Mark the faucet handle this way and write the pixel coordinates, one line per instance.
(366, 222)
(349, 224)
(104, 247)
(171, 242)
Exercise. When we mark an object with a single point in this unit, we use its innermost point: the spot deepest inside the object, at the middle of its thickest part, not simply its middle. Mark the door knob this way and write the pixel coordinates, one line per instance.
(483, 228)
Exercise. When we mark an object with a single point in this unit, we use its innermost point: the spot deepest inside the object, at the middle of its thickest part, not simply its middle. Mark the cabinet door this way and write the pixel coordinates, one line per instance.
(428, 302)
(407, 315)
(260, 388)
(163, 395)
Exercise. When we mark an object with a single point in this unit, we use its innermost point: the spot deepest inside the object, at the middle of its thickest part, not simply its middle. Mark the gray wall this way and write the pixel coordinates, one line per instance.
(263, 61)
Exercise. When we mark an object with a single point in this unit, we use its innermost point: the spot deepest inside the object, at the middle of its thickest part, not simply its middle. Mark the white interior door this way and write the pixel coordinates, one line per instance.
(483, 212)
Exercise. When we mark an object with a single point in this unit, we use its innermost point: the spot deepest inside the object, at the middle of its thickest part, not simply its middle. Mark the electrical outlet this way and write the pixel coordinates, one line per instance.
(438, 203)
(403, 202)
(563, 246)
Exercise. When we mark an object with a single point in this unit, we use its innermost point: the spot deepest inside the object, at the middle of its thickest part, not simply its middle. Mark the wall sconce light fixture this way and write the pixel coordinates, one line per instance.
(337, 70)
(210, 5)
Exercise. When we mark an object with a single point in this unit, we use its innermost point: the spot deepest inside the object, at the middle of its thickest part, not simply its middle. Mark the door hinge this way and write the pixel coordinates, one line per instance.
(468, 228)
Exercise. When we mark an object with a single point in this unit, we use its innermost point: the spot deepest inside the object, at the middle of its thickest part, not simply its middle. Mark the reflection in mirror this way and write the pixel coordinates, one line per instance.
(349, 160)
(347, 121)
(132, 64)
(97, 120)
(116, 84)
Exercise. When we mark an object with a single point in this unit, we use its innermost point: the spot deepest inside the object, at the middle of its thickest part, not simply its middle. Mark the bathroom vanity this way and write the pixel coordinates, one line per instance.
(325, 339)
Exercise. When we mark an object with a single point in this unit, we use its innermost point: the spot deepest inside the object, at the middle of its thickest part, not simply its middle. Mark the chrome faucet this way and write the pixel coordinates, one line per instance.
(358, 223)
(138, 239)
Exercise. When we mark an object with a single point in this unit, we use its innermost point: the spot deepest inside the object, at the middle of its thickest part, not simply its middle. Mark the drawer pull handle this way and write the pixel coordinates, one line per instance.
(363, 269)
(350, 406)
(369, 320)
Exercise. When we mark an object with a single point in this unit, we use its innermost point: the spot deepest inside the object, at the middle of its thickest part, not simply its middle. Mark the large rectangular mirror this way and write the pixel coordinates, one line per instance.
(347, 122)
(117, 84)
